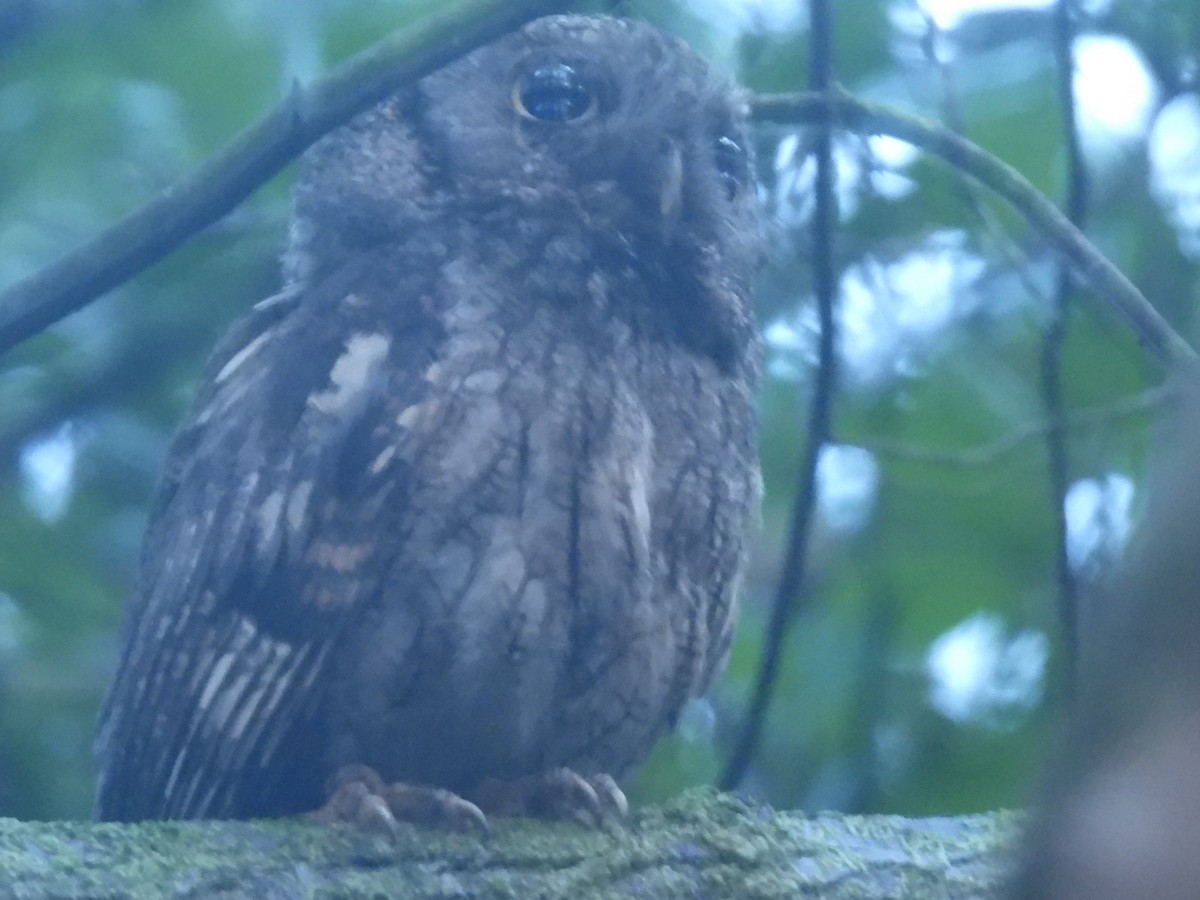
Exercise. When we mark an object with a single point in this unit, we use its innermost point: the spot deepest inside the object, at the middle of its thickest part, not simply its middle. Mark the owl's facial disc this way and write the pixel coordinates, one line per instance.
(605, 127)
(597, 126)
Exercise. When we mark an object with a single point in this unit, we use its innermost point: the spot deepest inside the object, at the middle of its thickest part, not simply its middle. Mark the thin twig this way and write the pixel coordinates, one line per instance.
(791, 580)
(993, 452)
(1058, 463)
(868, 118)
(225, 179)
(951, 108)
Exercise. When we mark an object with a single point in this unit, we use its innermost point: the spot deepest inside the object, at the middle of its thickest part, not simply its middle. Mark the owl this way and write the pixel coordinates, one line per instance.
(462, 510)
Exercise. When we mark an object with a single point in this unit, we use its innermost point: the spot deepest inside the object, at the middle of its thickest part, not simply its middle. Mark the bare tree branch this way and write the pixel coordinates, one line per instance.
(1145, 403)
(215, 187)
(869, 118)
(1058, 462)
(820, 420)
(1016, 256)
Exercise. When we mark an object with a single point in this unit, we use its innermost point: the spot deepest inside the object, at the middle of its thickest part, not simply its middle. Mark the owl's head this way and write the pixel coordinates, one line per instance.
(604, 125)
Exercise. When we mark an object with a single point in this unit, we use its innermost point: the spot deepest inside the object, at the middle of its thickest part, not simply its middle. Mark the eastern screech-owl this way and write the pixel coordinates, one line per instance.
(469, 499)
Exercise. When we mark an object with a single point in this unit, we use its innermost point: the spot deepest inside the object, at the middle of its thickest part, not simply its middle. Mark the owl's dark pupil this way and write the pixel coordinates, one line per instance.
(555, 93)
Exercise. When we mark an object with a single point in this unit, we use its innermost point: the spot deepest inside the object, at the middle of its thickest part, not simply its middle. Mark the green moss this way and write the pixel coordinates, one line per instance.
(699, 844)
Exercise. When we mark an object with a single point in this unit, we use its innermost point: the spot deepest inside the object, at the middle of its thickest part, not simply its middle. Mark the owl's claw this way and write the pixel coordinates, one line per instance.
(611, 797)
(435, 806)
(353, 802)
(557, 794)
(360, 797)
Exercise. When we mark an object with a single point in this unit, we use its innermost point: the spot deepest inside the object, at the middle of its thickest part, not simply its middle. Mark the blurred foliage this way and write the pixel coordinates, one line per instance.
(103, 104)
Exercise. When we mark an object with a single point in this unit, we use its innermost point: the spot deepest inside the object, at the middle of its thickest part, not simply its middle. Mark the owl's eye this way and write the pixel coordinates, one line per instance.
(553, 93)
(731, 164)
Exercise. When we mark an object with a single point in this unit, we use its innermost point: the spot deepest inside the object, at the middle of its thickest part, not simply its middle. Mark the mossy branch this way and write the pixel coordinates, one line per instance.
(868, 118)
(701, 845)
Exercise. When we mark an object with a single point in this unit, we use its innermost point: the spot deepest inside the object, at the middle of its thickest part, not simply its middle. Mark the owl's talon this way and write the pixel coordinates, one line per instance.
(434, 806)
(556, 794)
(611, 797)
(375, 816)
(353, 802)
(360, 797)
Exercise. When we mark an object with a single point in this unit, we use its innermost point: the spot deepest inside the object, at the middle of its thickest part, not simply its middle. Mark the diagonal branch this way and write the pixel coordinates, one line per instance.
(211, 190)
(1146, 403)
(868, 118)
(1015, 256)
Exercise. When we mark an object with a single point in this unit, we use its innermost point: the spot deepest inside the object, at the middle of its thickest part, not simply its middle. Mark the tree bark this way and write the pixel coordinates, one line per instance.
(703, 844)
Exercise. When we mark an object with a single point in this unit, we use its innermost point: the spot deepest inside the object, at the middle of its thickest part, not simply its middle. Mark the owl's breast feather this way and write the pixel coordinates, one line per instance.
(555, 626)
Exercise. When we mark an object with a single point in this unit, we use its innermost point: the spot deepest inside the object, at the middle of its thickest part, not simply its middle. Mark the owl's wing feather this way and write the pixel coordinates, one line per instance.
(258, 553)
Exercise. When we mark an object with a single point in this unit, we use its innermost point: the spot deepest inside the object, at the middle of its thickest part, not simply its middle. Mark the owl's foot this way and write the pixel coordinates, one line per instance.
(557, 794)
(360, 797)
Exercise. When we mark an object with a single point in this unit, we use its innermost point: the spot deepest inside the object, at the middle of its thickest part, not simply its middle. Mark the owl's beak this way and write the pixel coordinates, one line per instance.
(670, 197)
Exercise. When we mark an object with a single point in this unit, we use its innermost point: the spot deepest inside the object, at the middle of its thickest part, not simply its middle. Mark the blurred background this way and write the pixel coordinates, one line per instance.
(922, 672)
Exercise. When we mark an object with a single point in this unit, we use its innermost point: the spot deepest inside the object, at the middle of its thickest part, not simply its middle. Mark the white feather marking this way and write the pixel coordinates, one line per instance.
(215, 679)
(639, 500)
(297, 506)
(312, 669)
(230, 705)
(241, 356)
(380, 462)
(418, 415)
(225, 705)
(270, 684)
(268, 519)
(351, 372)
(170, 788)
(487, 381)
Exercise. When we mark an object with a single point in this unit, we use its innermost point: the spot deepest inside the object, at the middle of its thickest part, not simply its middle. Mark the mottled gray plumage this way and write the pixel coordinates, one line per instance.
(470, 497)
